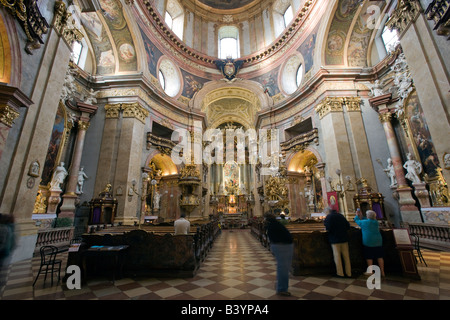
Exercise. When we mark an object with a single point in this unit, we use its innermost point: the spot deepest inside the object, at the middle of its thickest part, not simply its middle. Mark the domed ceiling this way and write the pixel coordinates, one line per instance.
(226, 4)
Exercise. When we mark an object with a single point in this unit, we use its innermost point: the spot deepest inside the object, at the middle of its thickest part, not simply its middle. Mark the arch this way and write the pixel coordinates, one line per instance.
(296, 161)
(162, 162)
(10, 69)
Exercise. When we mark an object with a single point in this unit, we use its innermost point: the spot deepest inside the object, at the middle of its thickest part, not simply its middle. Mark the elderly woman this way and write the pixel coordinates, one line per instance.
(371, 238)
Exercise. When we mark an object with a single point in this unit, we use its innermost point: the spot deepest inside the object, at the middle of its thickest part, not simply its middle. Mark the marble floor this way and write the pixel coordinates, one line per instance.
(238, 267)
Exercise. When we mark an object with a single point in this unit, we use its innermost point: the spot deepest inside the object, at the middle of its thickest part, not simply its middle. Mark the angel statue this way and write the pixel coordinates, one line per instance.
(413, 168)
(390, 172)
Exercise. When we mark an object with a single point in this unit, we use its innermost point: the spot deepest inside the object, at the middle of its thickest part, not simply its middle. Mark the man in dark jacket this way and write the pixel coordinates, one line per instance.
(337, 226)
(282, 247)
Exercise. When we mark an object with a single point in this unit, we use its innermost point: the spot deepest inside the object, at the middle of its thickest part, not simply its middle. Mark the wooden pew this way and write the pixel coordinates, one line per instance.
(156, 250)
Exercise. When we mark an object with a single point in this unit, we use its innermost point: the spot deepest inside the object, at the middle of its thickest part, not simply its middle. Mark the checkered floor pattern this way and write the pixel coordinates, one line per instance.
(238, 267)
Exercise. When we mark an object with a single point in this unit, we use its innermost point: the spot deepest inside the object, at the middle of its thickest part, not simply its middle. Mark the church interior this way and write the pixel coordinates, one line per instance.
(119, 116)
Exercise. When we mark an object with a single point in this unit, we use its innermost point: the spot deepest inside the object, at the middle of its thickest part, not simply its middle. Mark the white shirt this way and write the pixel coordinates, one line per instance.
(182, 226)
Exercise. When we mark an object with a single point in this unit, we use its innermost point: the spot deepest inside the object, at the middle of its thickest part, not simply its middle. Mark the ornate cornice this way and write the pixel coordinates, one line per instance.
(404, 14)
(64, 25)
(295, 26)
(439, 12)
(31, 20)
(11, 100)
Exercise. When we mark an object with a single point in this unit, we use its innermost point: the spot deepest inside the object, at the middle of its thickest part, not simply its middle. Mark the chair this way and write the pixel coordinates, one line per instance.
(48, 259)
(417, 247)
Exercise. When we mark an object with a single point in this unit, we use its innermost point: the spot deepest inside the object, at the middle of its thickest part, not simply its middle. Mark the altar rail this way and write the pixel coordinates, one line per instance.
(432, 236)
(58, 237)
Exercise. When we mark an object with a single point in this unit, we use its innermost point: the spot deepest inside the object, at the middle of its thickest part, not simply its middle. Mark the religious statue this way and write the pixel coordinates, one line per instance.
(156, 199)
(81, 176)
(90, 98)
(58, 177)
(447, 160)
(413, 168)
(34, 169)
(376, 89)
(390, 172)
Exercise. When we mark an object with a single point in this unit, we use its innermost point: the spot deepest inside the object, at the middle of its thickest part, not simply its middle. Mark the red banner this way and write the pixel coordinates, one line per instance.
(333, 202)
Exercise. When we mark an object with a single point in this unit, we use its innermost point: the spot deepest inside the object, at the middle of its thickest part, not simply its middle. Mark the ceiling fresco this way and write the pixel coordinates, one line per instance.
(226, 4)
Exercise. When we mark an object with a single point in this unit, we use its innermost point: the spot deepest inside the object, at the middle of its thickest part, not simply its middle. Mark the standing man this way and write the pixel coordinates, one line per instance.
(282, 247)
(182, 226)
(337, 226)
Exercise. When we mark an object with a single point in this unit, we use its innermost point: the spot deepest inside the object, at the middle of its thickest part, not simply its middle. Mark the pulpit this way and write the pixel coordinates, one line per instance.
(103, 209)
(366, 199)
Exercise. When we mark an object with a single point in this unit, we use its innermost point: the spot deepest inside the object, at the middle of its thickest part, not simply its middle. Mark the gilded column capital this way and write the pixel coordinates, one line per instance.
(65, 25)
(330, 104)
(112, 111)
(83, 125)
(353, 103)
(385, 117)
(8, 115)
(134, 110)
(404, 14)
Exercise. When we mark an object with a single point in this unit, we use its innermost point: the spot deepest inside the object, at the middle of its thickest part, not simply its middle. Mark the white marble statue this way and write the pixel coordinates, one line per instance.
(80, 182)
(58, 177)
(91, 97)
(376, 89)
(156, 199)
(390, 172)
(413, 168)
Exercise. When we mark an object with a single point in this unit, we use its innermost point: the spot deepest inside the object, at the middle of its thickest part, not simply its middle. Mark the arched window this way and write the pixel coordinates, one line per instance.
(299, 75)
(287, 16)
(162, 81)
(77, 48)
(168, 20)
(229, 42)
(174, 17)
(390, 38)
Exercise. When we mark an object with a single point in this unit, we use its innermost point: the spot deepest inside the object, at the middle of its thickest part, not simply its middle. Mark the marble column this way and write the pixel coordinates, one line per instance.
(408, 209)
(70, 198)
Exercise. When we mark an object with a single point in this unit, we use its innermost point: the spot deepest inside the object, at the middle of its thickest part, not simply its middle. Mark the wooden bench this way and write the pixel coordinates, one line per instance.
(154, 250)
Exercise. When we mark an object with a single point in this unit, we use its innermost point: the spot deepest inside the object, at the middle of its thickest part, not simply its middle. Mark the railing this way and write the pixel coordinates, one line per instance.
(433, 236)
(58, 237)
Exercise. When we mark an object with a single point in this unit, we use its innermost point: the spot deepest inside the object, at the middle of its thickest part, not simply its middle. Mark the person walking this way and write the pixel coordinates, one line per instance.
(337, 226)
(282, 247)
(371, 238)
